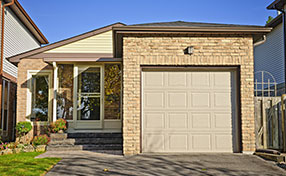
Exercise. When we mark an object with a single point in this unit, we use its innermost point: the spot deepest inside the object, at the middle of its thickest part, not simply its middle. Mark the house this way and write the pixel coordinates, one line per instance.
(167, 87)
(19, 34)
(269, 55)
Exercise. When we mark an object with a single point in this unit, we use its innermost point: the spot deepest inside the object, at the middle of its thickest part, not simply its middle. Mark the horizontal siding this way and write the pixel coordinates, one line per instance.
(101, 43)
(17, 39)
(269, 55)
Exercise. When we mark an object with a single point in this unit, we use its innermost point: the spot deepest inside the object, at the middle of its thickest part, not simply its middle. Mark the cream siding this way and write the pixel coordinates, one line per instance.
(17, 39)
(101, 43)
(269, 55)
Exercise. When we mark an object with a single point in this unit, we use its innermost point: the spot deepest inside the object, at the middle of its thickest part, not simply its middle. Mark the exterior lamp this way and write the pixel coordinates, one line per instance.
(189, 50)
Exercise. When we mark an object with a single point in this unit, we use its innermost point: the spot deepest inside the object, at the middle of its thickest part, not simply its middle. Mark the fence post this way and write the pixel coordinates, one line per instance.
(283, 121)
(264, 124)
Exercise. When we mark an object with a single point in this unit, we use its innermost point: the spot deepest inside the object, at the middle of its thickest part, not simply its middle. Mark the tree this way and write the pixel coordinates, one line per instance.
(270, 18)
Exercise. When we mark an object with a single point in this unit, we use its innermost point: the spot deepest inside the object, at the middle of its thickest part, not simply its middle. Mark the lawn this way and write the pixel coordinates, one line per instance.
(25, 164)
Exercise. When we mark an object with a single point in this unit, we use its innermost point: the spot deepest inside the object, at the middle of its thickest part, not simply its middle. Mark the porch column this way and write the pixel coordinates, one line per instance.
(55, 91)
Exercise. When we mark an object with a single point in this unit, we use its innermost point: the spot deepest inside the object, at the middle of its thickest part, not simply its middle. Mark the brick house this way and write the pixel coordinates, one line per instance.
(166, 87)
(19, 34)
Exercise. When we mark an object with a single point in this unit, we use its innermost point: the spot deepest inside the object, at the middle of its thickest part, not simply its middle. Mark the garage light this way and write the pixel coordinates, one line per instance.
(189, 50)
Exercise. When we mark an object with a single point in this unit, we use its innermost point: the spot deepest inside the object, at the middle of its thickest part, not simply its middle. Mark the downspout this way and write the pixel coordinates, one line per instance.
(2, 33)
(261, 41)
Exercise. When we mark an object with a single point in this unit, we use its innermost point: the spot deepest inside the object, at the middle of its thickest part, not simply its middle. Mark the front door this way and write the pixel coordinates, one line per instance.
(88, 95)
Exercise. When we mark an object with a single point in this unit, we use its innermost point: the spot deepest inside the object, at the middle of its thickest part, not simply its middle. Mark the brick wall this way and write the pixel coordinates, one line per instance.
(23, 67)
(210, 50)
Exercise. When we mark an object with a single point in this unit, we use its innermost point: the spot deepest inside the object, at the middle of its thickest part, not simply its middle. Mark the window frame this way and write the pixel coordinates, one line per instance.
(30, 74)
(3, 104)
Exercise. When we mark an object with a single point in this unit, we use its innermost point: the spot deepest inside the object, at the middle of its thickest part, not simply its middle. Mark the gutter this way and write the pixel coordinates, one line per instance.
(2, 32)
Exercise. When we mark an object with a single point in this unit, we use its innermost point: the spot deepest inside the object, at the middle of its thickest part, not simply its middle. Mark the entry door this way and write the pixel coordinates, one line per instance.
(88, 93)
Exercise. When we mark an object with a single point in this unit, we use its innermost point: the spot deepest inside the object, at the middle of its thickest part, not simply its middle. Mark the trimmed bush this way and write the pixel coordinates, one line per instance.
(58, 125)
(23, 128)
(40, 140)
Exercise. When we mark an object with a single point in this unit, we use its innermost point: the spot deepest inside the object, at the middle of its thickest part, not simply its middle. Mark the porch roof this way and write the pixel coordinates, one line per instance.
(39, 52)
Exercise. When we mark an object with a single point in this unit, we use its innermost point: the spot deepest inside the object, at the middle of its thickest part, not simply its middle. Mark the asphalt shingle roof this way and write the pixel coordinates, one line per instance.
(190, 24)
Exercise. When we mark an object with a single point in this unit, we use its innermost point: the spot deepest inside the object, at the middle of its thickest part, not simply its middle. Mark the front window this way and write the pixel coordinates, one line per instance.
(65, 92)
(112, 86)
(5, 105)
(40, 97)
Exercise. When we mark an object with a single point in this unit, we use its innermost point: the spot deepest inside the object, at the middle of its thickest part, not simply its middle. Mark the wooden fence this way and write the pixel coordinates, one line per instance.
(268, 121)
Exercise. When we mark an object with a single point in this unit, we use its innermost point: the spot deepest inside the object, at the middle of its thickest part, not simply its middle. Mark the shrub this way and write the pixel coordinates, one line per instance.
(58, 125)
(40, 140)
(23, 128)
(3, 146)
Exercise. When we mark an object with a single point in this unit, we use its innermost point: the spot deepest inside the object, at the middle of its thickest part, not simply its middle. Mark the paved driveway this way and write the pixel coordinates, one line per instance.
(89, 163)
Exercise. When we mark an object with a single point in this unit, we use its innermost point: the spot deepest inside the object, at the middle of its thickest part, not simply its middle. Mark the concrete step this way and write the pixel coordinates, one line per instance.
(82, 141)
(94, 135)
(62, 142)
(57, 136)
(269, 156)
(64, 147)
(103, 147)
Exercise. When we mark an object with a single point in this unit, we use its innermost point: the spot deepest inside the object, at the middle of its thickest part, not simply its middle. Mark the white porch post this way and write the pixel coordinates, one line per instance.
(55, 91)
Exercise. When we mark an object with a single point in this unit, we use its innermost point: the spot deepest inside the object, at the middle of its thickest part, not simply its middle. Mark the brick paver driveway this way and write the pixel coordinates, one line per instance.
(89, 163)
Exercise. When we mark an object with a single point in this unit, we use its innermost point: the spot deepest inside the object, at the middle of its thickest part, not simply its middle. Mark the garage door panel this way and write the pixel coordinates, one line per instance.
(201, 142)
(222, 100)
(200, 100)
(192, 112)
(223, 142)
(222, 80)
(154, 143)
(222, 120)
(154, 79)
(177, 79)
(178, 142)
(154, 120)
(200, 80)
(178, 120)
(154, 99)
(201, 120)
(177, 99)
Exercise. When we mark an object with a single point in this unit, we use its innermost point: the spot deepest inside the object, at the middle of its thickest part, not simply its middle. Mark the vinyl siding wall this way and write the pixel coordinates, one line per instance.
(269, 55)
(17, 39)
(101, 43)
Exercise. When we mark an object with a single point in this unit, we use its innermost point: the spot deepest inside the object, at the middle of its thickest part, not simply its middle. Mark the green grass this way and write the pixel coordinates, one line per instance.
(25, 164)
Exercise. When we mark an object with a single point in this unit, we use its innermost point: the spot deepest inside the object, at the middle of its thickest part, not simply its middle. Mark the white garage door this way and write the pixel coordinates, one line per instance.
(188, 111)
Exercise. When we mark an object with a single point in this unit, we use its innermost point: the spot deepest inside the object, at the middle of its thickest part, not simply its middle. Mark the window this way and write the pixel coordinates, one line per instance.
(5, 104)
(65, 92)
(39, 95)
(112, 87)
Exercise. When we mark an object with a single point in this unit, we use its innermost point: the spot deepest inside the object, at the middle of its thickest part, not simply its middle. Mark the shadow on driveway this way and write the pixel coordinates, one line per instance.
(90, 163)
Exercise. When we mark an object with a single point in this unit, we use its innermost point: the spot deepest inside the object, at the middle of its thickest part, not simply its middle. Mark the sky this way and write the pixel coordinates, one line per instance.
(61, 19)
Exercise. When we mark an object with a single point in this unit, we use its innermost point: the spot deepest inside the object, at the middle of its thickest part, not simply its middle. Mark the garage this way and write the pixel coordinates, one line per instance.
(189, 110)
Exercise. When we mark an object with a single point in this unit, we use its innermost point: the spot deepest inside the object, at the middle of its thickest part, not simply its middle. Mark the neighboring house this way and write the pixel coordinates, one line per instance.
(269, 56)
(20, 35)
(167, 87)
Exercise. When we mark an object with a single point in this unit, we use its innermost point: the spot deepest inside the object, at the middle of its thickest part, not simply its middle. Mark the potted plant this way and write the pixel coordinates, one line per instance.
(40, 142)
(59, 126)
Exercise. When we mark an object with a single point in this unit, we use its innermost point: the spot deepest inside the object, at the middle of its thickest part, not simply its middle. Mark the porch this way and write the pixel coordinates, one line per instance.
(86, 94)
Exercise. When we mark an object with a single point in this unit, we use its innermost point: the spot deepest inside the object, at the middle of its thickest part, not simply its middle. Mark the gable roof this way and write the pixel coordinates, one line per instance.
(27, 21)
(18, 57)
(190, 24)
(183, 26)
(277, 4)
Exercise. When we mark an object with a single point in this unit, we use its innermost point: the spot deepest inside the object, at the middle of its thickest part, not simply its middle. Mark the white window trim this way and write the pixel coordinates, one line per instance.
(31, 73)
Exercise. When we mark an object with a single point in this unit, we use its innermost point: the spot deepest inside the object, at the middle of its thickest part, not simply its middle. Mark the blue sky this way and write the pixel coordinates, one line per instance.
(60, 19)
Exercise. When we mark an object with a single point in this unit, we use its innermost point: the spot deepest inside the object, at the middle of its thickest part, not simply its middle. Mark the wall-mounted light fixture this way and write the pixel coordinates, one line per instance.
(189, 50)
